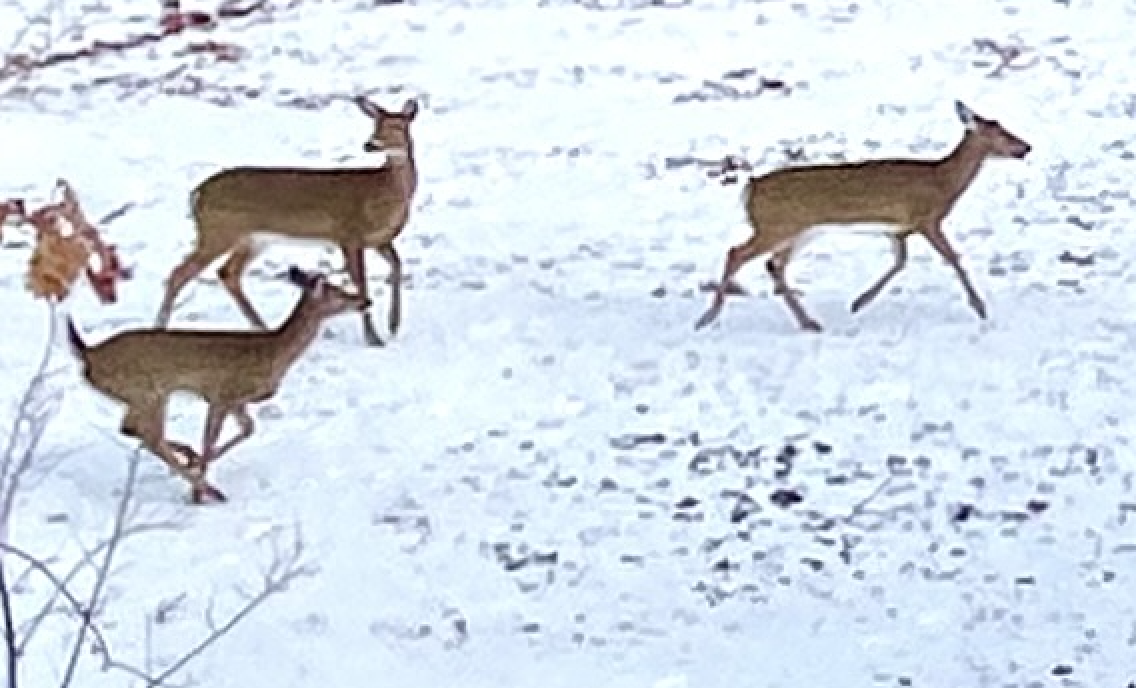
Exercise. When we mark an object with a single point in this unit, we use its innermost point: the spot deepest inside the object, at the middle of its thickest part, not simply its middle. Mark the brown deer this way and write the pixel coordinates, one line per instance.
(239, 211)
(908, 196)
(228, 369)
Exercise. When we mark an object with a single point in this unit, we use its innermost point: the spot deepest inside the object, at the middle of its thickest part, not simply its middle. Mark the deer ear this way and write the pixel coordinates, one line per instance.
(369, 109)
(965, 114)
(317, 284)
(410, 109)
(298, 277)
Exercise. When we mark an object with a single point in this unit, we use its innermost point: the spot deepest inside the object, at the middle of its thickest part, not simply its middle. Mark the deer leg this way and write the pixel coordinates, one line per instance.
(191, 267)
(152, 434)
(192, 458)
(899, 248)
(939, 242)
(214, 423)
(245, 427)
(230, 274)
(776, 266)
(391, 255)
(736, 258)
(131, 427)
(357, 270)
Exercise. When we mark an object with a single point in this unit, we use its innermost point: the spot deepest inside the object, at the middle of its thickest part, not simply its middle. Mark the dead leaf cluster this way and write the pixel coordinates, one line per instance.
(66, 245)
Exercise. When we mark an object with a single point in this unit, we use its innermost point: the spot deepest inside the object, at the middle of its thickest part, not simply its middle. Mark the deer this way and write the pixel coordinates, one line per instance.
(239, 211)
(228, 369)
(786, 207)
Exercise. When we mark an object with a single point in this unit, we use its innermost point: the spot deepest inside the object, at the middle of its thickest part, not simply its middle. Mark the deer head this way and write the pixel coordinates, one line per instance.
(995, 138)
(328, 299)
(392, 129)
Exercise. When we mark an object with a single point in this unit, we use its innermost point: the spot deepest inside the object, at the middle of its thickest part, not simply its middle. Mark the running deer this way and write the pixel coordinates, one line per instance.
(239, 211)
(907, 196)
(228, 369)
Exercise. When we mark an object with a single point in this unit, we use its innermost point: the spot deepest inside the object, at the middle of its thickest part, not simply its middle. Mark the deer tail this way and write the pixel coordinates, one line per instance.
(76, 340)
(195, 201)
(747, 190)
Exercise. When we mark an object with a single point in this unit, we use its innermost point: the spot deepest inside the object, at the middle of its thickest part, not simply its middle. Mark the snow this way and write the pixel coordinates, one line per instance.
(547, 454)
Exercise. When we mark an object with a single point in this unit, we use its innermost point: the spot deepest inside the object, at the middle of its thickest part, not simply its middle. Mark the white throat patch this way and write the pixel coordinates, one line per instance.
(396, 155)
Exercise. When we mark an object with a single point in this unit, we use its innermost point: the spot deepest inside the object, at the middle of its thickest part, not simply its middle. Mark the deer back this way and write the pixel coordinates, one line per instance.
(141, 366)
(368, 205)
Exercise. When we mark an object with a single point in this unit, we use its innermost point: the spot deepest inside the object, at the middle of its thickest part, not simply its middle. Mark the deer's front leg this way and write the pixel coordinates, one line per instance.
(939, 242)
(245, 427)
(357, 270)
(391, 255)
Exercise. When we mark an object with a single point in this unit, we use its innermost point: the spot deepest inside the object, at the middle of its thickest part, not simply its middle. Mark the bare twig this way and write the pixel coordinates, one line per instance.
(9, 629)
(285, 568)
(1006, 55)
(12, 468)
(860, 506)
(57, 584)
(103, 573)
(60, 585)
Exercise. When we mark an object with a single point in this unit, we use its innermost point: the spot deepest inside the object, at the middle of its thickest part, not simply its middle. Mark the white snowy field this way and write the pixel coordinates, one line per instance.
(548, 478)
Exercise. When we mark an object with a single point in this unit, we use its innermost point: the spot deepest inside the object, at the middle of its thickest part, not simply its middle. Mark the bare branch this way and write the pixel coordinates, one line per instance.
(9, 629)
(61, 585)
(1006, 54)
(103, 574)
(862, 505)
(284, 569)
(31, 414)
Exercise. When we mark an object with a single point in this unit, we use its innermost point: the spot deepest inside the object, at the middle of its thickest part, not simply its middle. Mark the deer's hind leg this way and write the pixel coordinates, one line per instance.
(230, 273)
(776, 266)
(131, 427)
(899, 249)
(150, 427)
(736, 258)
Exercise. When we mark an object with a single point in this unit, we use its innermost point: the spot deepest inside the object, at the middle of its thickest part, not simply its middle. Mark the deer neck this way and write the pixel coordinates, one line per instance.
(401, 162)
(961, 166)
(296, 334)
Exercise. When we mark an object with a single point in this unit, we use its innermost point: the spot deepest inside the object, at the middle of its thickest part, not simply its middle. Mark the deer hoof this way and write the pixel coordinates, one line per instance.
(203, 494)
(707, 318)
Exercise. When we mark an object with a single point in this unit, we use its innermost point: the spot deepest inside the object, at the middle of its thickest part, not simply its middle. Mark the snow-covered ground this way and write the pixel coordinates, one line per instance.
(548, 478)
